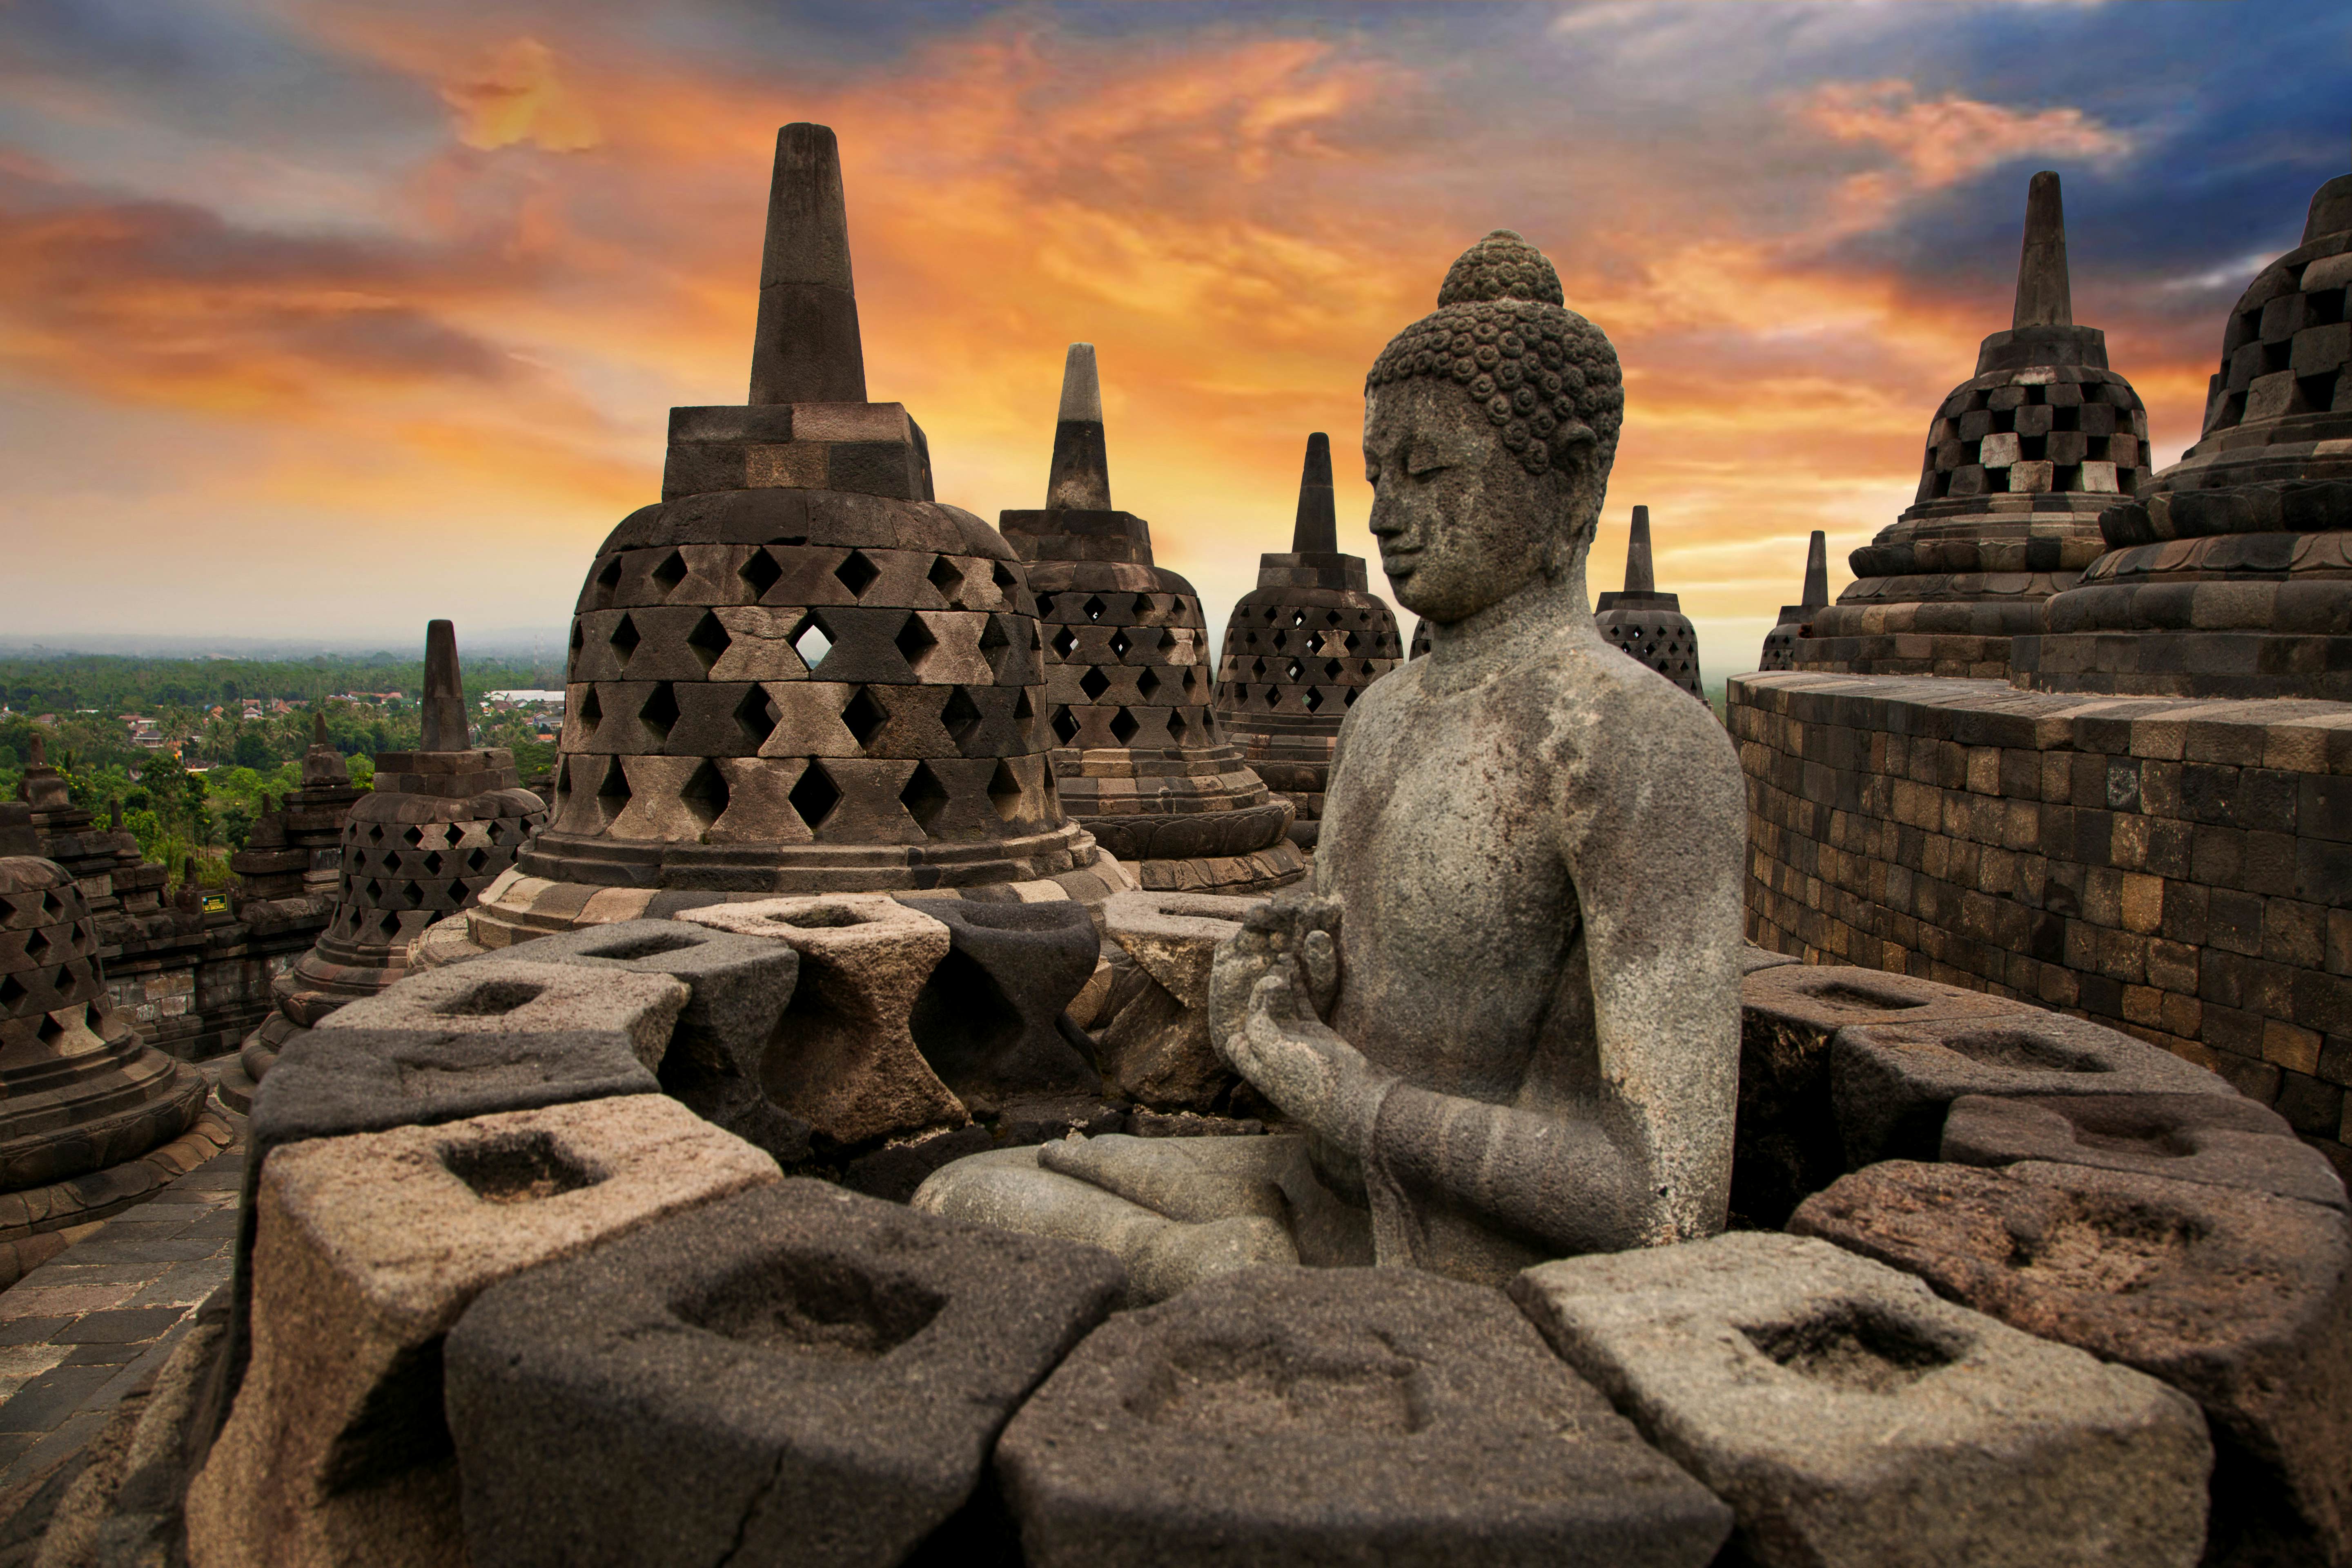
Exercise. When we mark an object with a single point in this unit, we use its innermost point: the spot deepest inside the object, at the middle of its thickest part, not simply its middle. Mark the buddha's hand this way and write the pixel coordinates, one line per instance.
(1296, 1061)
(1294, 930)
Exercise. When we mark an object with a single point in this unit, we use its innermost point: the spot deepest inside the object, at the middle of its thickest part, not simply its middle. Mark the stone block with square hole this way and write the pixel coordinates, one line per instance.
(2224, 1141)
(992, 1019)
(843, 1058)
(1853, 1420)
(868, 1357)
(1891, 1082)
(739, 987)
(367, 1249)
(2241, 1300)
(510, 995)
(1153, 1030)
(1786, 1141)
(1337, 1416)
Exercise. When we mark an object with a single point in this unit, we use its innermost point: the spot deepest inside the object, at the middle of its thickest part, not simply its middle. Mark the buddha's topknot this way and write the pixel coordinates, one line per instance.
(1540, 372)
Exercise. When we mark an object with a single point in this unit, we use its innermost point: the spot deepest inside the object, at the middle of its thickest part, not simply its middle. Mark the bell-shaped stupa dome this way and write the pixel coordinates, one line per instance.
(1140, 761)
(798, 672)
(2021, 458)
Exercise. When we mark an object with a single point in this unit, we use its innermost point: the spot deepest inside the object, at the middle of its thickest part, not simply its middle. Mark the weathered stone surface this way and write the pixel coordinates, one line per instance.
(1155, 1041)
(1890, 1083)
(368, 1248)
(842, 1060)
(2224, 1141)
(1284, 1416)
(500, 996)
(1851, 1418)
(1788, 1139)
(867, 1357)
(2239, 1300)
(989, 1019)
(739, 986)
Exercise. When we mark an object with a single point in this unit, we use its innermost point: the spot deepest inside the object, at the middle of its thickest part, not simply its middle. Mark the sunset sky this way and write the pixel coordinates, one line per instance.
(318, 319)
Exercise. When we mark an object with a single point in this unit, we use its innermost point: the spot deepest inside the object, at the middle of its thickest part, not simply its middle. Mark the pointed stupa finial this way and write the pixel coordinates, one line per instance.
(1817, 572)
(2043, 296)
(444, 698)
(40, 754)
(1316, 532)
(806, 348)
(317, 729)
(1079, 480)
(1641, 577)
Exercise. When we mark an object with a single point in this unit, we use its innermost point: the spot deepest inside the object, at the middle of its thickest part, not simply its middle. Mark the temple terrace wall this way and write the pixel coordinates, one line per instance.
(2178, 869)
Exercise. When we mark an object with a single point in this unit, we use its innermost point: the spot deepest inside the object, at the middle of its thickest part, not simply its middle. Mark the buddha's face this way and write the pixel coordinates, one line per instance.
(1462, 524)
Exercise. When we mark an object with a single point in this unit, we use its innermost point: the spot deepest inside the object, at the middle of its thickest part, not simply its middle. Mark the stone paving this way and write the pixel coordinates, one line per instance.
(84, 1328)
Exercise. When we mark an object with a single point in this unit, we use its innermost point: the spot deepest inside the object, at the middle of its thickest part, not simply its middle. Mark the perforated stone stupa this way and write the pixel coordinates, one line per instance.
(1300, 648)
(1780, 642)
(442, 825)
(2231, 575)
(1142, 762)
(2021, 458)
(798, 673)
(1650, 625)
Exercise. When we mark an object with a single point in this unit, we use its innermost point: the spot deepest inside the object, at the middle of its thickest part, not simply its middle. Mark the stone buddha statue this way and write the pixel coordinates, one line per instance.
(1503, 1021)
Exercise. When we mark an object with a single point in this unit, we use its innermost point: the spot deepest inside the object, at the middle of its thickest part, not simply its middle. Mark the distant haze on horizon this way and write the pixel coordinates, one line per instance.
(319, 319)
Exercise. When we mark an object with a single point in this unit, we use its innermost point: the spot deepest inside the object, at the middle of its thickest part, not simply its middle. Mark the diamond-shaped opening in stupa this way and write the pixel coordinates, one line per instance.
(592, 713)
(759, 574)
(811, 640)
(1093, 683)
(669, 574)
(1147, 682)
(613, 794)
(708, 639)
(960, 717)
(608, 583)
(1123, 727)
(862, 716)
(857, 574)
(1004, 792)
(1065, 643)
(1274, 696)
(625, 640)
(925, 797)
(1120, 644)
(1331, 669)
(946, 577)
(1141, 607)
(1002, 576)
(1177, 728)
(660, 711)
(815, 795)
(12, 993)
(915, 642)
(1094, 607)
(1314, 698)
(705, 795)
(1294, 670)
(756, 717)
(1065, 726)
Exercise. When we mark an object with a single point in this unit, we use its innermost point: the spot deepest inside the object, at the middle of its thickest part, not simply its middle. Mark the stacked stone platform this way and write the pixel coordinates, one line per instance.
(2180, 870)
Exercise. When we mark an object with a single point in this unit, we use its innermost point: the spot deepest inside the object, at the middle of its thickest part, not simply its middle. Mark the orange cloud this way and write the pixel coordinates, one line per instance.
(515, 96)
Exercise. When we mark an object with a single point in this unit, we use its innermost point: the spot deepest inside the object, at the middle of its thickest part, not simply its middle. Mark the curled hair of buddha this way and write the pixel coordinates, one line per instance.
(1540, 373)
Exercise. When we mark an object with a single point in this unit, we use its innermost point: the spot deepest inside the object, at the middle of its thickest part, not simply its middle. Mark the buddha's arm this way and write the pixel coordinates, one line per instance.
(1561, 1179)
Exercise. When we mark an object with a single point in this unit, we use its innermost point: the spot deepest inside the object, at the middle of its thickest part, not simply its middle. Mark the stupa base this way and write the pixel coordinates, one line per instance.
(1277, 866)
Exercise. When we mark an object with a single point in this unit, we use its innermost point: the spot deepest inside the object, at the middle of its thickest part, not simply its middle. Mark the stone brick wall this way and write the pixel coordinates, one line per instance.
(2180, 870)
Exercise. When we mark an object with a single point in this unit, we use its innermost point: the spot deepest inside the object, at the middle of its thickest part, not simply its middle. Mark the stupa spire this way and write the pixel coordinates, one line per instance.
(1817, 573)
(806, 348)
(1640, 575)
(1079, 478)
(2043, 296)
(1316, 532)
(444, 726)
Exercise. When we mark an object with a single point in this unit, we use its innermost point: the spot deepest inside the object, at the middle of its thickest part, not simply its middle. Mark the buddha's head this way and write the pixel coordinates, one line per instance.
(1490, 428)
